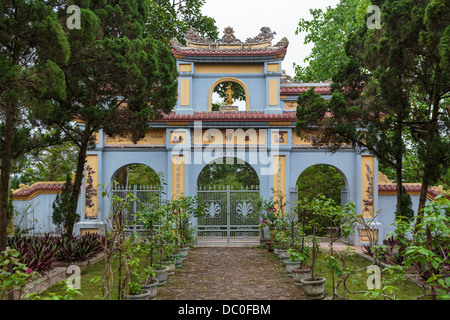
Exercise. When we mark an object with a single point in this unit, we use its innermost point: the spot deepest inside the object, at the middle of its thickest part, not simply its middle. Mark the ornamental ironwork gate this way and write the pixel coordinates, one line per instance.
(230, 215)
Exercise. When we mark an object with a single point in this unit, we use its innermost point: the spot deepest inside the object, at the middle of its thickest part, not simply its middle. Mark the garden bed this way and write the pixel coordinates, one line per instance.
(55, 275)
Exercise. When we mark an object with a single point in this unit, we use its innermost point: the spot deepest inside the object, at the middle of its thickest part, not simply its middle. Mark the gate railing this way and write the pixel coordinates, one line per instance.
(230, 214)
(144, 194)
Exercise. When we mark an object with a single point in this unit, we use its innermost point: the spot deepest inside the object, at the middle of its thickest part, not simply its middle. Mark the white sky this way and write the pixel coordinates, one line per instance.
(247, 17)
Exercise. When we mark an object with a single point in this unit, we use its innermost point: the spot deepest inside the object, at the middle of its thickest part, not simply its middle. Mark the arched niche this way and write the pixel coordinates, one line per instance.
(229, 79)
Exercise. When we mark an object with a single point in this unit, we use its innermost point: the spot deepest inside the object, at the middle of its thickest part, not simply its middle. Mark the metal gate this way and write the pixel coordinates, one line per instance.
(230, 215)
(143, 194)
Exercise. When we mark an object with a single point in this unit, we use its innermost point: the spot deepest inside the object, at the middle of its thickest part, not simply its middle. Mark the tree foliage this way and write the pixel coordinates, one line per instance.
(64, 216)
(32, 46)
(392, 85)
(171, 18)
(328, 31)
(320, 179)
(226, 174)
(118, 77)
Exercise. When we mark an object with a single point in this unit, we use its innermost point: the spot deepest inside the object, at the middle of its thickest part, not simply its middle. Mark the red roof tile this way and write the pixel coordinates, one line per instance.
(409, 187)
(226, 53)
(300, 89)
(42, 187)
(230, 116)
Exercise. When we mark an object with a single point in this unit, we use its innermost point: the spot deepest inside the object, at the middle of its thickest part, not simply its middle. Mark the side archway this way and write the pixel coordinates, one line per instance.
(136, 174)
(229, 79)
(322, 179)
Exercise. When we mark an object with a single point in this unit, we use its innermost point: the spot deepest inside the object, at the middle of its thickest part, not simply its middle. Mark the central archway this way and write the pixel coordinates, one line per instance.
(230, 191)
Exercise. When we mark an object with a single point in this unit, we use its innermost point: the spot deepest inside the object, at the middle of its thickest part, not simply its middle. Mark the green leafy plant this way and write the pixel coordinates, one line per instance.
(14, 275)
(64, 215)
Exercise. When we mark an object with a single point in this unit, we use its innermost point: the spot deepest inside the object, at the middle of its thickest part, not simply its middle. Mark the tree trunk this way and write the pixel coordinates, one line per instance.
(79, 174)
(5, 171)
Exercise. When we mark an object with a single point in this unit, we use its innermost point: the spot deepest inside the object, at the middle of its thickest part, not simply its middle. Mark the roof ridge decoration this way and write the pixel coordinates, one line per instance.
(266, 35)
(261, 45)
(229, 37)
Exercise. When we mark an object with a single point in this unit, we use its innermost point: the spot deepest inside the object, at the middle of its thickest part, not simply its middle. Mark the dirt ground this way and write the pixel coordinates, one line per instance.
(230, 273)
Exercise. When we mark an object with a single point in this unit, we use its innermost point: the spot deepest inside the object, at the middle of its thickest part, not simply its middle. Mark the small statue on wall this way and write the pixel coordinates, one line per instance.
(229, 94)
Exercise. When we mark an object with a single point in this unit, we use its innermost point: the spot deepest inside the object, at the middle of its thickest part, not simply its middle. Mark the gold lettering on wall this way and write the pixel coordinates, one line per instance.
(153, 137)
(280, 137)
(367, 186)
(90, 186)
(279, 177)
(177, 176)
(290, 105)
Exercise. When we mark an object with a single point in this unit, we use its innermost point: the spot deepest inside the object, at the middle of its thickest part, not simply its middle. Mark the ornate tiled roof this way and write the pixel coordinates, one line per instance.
(410, 188)
(28, 192)
(235, 52)
(231, 116)
(229, 45)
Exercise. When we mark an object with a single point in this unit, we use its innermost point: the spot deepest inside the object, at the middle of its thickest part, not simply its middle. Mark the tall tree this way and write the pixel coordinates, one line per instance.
(118, 77)
(328, 31)
(32, 44)
(393, 84)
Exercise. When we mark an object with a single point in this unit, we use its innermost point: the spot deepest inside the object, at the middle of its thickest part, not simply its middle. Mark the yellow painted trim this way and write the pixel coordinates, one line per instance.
(281, 124)
(231, 68)
(85, 231)
(364, 235)
(178, 56)
(184, 92)
(185, 67)
(181, 123)
(274, 93)
(229, 79)
(283, 97)
(273, 67)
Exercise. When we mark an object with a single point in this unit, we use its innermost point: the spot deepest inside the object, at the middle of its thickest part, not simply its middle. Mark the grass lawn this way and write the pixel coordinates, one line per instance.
(407, 290)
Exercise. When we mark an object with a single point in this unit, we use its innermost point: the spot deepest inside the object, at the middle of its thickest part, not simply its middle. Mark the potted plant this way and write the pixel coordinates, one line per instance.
(183, 209)
(314, 286)
(267, 214)
(150, 283)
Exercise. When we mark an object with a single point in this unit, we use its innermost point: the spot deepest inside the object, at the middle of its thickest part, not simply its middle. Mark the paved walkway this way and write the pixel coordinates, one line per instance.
(230, 273)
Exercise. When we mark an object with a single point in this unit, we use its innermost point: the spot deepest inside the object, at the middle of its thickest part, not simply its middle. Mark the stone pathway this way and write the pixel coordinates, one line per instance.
(230, 273)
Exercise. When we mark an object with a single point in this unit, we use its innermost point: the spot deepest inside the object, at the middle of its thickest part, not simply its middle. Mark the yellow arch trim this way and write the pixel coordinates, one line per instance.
(229, 79)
